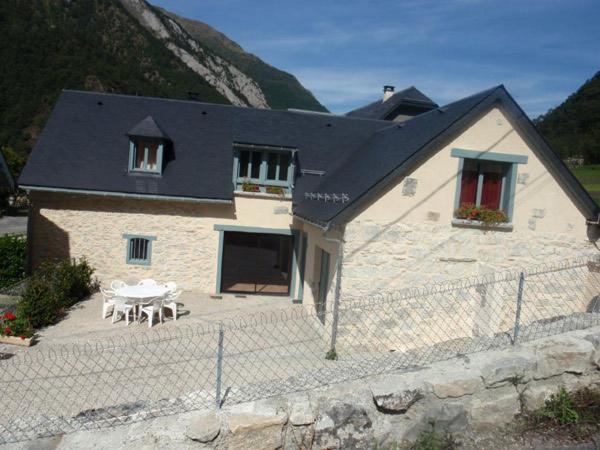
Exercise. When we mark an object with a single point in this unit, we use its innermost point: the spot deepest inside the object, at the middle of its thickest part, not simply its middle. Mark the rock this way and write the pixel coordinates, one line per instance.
(536, 393)
(205, 428)
(494, 407)
(454, 384)
(409, 188)
(511, 369)
(395, 395)
(243, 423)
(567, 355)
(256, 431)
(299, 437)
(343, 425)
(301, 412)
(452, 417)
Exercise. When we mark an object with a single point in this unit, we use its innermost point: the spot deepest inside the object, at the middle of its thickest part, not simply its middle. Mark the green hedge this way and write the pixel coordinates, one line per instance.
(13, 256)
(54, 287)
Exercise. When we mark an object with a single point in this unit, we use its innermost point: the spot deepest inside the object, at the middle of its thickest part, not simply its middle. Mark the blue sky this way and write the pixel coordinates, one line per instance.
(345, 51)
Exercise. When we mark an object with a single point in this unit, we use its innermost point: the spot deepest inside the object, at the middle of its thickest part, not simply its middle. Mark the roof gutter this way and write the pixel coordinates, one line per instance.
(325, 226)
(127, 195)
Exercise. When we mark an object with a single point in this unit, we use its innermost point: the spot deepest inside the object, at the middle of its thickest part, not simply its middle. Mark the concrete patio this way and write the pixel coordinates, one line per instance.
(83, 323)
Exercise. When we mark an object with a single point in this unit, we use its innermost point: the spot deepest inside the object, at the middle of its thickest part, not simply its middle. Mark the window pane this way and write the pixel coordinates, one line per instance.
(256, 160)
(244, 159)
(492, 188)
(138, 249)
(284, 164)
(271, 166)
(152, 163)
(139, 155)
(468, 185)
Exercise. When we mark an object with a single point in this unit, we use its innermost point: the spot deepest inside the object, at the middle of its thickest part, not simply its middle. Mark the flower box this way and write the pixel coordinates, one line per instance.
(15, 340)
(250, 187)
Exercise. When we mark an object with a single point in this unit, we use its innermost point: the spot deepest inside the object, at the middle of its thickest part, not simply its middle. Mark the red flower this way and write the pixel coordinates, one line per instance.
(9, 316)
(7, 331)
(22, 338)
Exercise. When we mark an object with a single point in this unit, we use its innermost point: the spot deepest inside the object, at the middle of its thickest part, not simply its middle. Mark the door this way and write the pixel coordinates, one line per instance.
(256, 263)
(323, 284)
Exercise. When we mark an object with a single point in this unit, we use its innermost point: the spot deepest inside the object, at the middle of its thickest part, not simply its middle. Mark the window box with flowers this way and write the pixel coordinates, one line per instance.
(485, 189)
(15, 330)
(481, 217)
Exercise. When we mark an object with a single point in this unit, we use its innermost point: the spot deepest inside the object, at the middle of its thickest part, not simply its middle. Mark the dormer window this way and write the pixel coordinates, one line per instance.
(146, 155)
(147, 142)
(259, 168)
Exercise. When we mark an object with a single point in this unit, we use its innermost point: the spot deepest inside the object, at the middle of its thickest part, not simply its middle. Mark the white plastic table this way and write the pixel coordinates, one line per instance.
(141, 292)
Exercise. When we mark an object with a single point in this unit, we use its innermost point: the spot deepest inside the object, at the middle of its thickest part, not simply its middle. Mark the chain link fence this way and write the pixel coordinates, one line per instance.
(168, 371)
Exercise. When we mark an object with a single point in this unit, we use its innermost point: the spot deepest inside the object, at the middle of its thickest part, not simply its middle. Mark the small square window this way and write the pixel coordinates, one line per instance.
(139, 249)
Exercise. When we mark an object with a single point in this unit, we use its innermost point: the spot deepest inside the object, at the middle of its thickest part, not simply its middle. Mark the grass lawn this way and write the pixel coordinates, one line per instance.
(589, 176)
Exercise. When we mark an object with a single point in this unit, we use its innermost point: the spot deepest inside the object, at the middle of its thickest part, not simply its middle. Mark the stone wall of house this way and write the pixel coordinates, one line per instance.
(186, 245)
(385, 257)
(471, 397)
(407, 237)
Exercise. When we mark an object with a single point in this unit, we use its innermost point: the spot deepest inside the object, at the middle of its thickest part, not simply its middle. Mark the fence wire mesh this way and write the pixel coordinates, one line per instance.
(168, 371)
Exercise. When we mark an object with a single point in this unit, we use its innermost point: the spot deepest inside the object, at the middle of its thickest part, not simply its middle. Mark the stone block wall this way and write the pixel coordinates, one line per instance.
(381, 258)
(186, 245)
(468, 397)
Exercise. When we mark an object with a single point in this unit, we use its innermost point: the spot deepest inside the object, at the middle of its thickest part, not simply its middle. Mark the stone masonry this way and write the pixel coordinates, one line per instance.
(380, 258)
(468, 396)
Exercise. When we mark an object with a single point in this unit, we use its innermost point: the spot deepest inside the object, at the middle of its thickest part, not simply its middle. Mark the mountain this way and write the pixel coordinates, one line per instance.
(281, 89)
(122, 46)
(573, 127)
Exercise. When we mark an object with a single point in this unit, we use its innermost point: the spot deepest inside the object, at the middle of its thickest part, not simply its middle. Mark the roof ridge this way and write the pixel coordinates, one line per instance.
(220, 105)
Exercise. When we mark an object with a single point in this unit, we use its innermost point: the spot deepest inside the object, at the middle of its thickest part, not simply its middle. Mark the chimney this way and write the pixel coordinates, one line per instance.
(388, 91)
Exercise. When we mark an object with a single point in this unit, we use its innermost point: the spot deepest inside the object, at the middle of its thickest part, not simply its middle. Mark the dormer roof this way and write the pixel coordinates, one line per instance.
(148, 128)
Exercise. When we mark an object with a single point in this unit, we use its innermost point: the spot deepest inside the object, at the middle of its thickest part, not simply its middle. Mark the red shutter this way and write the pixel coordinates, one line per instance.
(468, 187)
(492, 187)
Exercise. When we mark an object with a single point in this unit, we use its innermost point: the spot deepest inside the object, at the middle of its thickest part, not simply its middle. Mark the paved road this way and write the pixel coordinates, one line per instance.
(13, 225)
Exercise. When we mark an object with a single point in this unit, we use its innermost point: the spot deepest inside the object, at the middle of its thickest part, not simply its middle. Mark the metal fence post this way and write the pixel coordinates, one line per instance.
(219, 365)
(518, 314)
(336, 301)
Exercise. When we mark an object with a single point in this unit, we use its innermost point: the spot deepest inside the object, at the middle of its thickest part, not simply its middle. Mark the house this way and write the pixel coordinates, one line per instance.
(225, 199)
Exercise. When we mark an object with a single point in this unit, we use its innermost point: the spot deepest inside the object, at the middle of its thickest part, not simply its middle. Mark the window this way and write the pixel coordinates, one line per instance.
(486, 180)
(146, 156)
(139, 249)
(482, 183)
(261, 169)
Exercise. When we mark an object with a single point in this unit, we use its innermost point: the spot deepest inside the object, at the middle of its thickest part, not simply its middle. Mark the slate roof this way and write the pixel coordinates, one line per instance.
(85, 144)
(381, 110)
(85, 147)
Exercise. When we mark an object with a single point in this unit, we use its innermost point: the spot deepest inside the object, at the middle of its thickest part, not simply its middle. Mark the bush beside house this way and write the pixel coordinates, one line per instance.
(51, 289)
(13, 256)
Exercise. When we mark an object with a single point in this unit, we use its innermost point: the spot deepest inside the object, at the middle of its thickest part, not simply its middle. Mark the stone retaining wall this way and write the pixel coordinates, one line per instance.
(473, 394)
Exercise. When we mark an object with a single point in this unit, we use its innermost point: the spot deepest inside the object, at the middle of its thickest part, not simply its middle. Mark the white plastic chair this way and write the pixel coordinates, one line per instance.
(108, 300)
(171, 303)
(147, 282)
(151, 308)
(171, 286)
(122, 307)
(117, 284)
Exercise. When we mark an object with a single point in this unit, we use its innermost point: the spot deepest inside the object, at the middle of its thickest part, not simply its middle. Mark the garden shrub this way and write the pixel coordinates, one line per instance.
(54, 287)
(13, 257)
